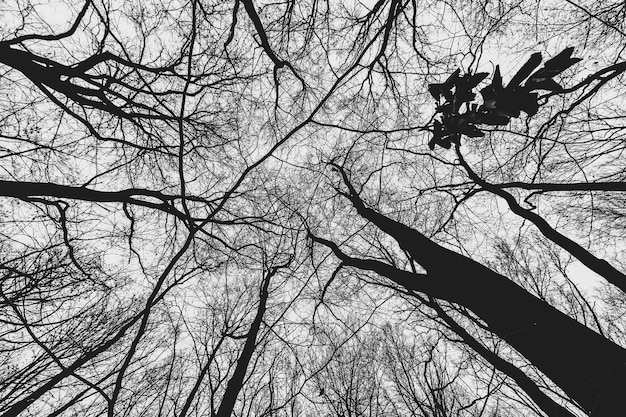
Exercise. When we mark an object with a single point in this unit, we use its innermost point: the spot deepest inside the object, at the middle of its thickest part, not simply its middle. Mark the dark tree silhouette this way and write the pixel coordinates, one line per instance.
(253, 208)
(580, 361)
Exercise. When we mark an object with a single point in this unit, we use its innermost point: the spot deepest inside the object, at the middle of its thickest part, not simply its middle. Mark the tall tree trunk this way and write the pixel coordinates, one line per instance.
(235, 383)
(586, 366)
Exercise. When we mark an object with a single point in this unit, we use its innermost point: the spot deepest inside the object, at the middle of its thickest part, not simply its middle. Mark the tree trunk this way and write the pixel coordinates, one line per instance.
(586, 366)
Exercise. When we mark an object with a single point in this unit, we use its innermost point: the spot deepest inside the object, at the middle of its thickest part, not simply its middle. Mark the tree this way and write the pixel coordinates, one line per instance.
(232, 208)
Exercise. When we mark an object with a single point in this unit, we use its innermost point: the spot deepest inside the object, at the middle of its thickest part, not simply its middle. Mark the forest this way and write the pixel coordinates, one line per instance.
(375, 208)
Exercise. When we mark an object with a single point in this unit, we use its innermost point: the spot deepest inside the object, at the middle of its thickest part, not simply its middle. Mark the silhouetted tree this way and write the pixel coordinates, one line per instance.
(231, 208)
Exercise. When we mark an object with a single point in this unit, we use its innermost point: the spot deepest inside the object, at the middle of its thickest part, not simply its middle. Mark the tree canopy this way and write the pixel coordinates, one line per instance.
(312, 208)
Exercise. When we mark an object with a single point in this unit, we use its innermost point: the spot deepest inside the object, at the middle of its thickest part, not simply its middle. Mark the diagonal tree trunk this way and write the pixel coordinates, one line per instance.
(586, 366)
(235, 383)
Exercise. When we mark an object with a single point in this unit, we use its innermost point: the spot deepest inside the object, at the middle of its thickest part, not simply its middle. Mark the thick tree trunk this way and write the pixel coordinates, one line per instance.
(586, 366)
(545, 402)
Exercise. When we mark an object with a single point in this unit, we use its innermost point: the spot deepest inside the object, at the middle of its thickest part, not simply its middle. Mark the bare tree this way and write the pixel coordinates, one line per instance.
(214, 208)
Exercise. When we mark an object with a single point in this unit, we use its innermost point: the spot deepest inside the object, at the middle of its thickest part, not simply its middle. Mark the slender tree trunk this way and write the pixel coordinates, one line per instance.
(235, 383)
